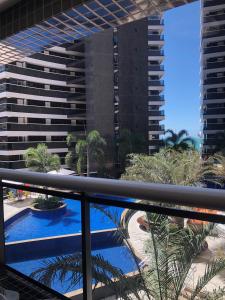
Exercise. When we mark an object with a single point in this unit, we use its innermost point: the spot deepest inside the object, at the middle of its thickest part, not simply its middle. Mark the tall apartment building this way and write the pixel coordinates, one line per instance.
(42, 99)
(124, 75)
(139, 85)
(109, 82)
(213, 72)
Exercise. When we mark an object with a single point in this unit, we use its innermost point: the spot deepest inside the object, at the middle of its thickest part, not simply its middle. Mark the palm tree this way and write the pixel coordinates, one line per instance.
(179, 141)
(89, 150)
(168, 166)
(71, 157)
(171, 252)
(40, 160)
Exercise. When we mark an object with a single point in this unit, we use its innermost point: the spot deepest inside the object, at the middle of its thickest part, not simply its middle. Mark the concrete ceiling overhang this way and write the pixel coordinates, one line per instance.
(31, 26)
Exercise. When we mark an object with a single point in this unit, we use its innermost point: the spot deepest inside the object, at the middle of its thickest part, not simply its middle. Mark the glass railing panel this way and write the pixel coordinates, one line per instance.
(42, 236)
(113, 257)
(147, 253)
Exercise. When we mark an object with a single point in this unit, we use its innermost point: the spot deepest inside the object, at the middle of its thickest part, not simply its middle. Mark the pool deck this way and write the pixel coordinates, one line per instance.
(12, 208)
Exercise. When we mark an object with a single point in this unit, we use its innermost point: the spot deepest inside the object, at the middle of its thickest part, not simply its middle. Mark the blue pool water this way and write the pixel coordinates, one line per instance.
(118, 256)
(31, 226)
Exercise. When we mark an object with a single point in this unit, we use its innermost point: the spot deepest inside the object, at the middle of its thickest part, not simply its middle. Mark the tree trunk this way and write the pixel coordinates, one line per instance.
(88, 163)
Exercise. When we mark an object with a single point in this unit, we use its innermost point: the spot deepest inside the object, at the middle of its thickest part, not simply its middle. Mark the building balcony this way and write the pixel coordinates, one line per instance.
(215, 49)
(39, 127)
(155, 52)
(211, 96)
(214, 126)
(80, 97)
(210, 142)
(156, 128)
(214, 111)
(213, 33)
(36, 109)
(156, 68)
(156, 98)
(52, 58)
(156, 113)
(78, 63)
(213, 3)
(155, 37)
(36, 73)
(35, 91)
(215, 65)
(215, 18)
(155, 82)
(80, 235)
(156, 143)
(25, 145)
(155, 22)
(77, 80)
(214, 80)
(78, 46)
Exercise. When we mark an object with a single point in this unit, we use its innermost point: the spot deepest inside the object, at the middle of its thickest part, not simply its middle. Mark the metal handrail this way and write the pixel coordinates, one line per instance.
(159, 193)
(172, 194)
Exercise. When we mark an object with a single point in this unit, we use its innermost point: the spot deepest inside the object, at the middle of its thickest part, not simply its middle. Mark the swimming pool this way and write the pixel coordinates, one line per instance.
(118, 256)
(30, 226)
(28, 248)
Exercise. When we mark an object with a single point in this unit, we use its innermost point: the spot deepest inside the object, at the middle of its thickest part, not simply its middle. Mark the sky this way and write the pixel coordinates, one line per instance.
(182, 68)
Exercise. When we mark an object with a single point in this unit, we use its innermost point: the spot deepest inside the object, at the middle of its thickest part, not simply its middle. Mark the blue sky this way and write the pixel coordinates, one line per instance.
(182, 68)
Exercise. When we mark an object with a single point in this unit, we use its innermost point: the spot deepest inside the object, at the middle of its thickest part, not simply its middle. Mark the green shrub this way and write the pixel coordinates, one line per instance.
(50, 203)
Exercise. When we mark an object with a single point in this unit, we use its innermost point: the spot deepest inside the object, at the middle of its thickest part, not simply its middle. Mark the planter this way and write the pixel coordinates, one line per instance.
(49, 213)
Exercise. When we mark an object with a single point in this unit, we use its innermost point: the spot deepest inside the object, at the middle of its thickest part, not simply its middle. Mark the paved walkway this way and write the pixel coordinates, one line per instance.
(138, 237)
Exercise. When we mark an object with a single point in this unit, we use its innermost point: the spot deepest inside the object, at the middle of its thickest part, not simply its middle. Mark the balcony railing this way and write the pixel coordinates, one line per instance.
(155, 68)
(77, 80)
(215, 18)
(214, 80)
(78, 63)
(155, 22)
(214, 111)
(25, 145)
(214, 49)
(155, 52)
(52, 58)
(36, 109)
(214, 127)
(213, 3)
(215, 65)
(88, 194)
(214, 33)
(40, 127)
(156, 82)
(156, 98)
(156, 113)
(211, 96)
(156, 127)
(37, 73)
(77, 46)
(155, 37)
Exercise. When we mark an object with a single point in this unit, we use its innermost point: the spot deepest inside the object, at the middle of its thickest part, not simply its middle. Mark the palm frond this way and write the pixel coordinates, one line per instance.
(211, 270)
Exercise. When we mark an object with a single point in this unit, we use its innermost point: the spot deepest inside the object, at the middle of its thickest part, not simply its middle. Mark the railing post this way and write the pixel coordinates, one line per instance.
(2, 227)
(86, 249)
